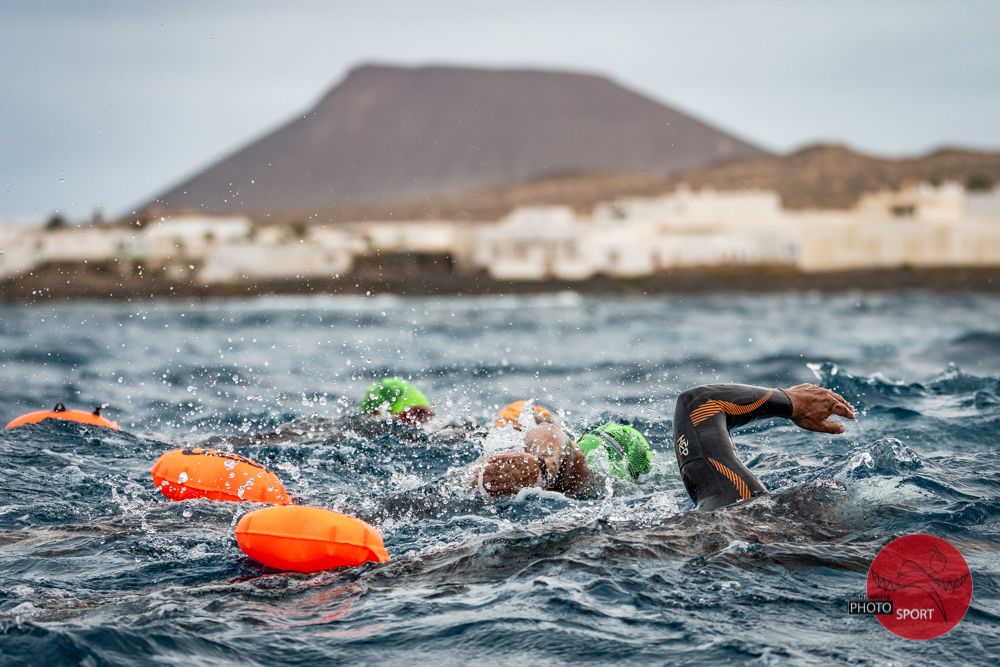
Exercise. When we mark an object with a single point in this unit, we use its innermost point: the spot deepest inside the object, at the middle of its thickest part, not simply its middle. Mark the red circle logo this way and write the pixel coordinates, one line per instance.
(927, 580)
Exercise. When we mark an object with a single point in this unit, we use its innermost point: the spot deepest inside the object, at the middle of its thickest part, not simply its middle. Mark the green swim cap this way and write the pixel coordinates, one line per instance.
(398, 394)
(621, 450)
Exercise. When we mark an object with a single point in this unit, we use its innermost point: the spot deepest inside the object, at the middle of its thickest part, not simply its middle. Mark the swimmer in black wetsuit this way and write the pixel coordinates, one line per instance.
(712, 473)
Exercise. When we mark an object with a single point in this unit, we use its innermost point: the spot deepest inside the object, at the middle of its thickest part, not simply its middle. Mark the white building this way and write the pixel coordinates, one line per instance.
(704, 210)
(927, 203)
(701, 250)
(190, 236)
(275, 252)
(536, 243)
(637, 237)
(242, 262)
(418, 236)
(983, 205)
(621, 248)
(337, 240)
(698, 228)
(979, 244)
(86, 243)
(923, 226)
(20, 247)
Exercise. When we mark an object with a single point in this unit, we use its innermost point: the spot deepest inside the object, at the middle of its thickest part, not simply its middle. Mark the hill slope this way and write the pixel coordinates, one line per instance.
(822, 176)
(388, 134)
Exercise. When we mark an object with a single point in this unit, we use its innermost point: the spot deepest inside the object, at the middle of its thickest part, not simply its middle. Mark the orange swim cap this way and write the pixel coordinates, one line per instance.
(511, 414)
(183, 474)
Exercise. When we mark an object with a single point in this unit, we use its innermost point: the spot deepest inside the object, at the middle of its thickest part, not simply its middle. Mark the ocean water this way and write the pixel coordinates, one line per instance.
(96, 568)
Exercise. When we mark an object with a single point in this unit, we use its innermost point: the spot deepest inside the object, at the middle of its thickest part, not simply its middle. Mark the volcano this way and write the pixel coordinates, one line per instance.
(386, 134)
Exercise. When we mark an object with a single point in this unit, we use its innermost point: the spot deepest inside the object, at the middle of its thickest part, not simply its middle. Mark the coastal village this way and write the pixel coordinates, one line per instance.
(362, 193)
(923, 226)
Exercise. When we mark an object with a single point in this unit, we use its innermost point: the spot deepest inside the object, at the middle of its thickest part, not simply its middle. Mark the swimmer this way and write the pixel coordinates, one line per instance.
(710, 468)
(711, 471)
(403, 401)
(552, 461)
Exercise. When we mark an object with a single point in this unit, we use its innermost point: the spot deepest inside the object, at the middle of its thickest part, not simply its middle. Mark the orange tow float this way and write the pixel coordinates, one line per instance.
(287, 537)
(308, 539)
(183, 474)
(60, 412)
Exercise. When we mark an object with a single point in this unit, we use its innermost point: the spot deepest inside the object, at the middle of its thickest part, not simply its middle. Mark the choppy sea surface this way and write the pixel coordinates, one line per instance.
(96, 568)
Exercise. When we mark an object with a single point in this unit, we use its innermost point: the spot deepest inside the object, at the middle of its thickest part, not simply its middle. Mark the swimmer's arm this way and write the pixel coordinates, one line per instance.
(809, 406)
(567, 465)
(505, 474)
(813, 406)
(550, 461)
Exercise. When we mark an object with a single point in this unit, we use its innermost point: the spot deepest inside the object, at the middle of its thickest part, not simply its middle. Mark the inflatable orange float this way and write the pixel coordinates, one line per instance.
(183, 474)
(60, 412)
(308, 539)
(511, 414)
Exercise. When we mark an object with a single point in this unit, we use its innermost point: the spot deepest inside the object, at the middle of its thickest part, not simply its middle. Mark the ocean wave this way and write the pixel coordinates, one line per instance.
(96, 566)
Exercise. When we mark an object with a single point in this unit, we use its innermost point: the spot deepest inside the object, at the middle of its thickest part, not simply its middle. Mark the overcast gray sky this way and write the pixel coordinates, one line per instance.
(106, 103)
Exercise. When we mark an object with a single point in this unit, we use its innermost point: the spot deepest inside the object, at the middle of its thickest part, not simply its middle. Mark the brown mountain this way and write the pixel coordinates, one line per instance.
(823, 176)
(390, 134)
(835, 176)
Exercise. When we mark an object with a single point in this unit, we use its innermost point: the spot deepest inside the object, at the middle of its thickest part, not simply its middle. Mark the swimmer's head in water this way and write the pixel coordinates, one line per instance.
(511, 415)
(621, 449)
(400, 398)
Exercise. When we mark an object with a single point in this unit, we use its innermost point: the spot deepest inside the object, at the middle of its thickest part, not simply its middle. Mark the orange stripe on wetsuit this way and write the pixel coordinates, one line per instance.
(735, 479)
(712, 407)
(710, 467)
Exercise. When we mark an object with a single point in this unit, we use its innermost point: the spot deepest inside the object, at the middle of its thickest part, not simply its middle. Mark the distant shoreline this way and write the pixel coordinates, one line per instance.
(60, 283)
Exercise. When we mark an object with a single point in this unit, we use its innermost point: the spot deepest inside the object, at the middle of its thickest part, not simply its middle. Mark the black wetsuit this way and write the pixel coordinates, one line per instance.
(712, 472)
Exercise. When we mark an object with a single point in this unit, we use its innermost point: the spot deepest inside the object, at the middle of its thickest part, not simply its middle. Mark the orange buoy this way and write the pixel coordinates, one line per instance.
(308, 539)
(511, 414)
(60, 412)
(183, 474)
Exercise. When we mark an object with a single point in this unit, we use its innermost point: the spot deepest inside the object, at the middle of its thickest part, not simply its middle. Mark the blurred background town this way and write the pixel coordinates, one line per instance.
(426, 178)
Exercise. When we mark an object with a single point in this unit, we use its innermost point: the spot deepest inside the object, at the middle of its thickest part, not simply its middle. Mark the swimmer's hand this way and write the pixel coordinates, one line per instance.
(504, 474)
(813, 406)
